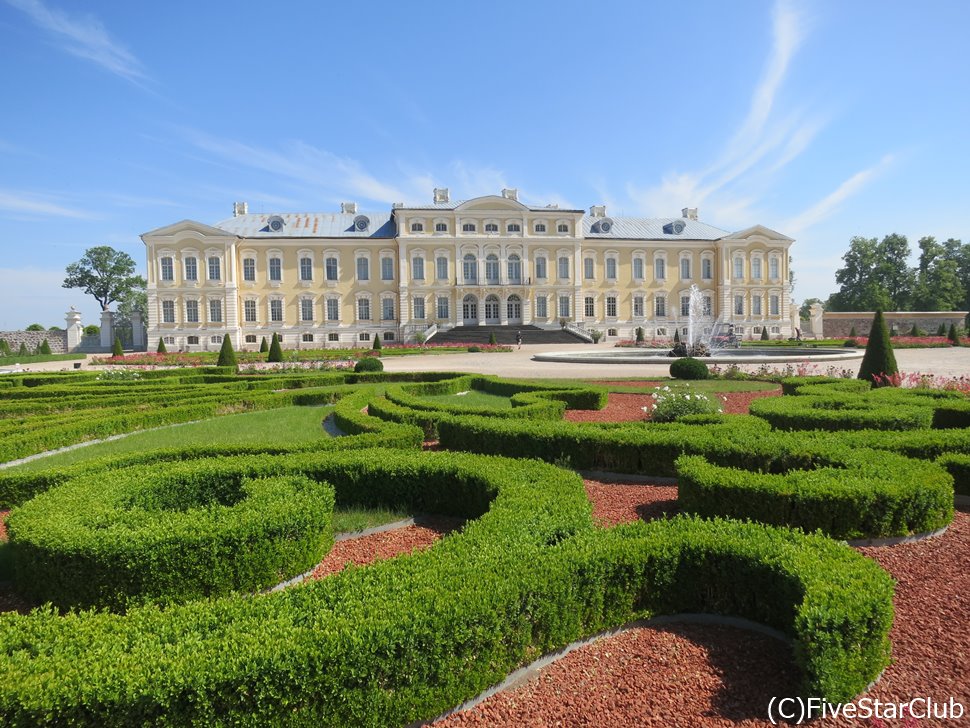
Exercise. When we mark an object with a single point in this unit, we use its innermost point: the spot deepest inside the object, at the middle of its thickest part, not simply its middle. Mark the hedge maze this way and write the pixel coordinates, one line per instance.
(152, 563)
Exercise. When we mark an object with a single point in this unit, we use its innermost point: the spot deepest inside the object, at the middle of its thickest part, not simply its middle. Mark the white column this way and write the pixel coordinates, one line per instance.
(107, 329)
(75, 331)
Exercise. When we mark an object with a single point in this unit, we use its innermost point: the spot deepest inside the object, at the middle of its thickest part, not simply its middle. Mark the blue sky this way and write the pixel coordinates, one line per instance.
(822, 120)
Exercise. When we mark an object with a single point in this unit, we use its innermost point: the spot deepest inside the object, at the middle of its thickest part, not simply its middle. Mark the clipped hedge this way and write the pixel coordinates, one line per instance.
(194, 530)
(958, 466)
(406, 639)
(848, 412)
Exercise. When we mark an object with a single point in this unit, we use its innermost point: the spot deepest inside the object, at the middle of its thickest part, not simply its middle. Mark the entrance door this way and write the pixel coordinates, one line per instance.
(469, 311)
(514, 309)
(492, 310)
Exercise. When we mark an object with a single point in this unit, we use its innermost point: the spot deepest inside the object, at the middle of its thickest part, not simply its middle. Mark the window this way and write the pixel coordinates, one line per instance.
(249, 269)
(685, 269)
(514, 227)
(739, 330)
(192, 312)
(773, 269)
(612, 332)
(363, 269)
(249, 311)
(638, 306)
(491, 268)
(514, 266)
(387, 269)
(388, 336)
(660, 269)
(276, 310)
(250, 338)
(306, 269)
(168, 270)
(662, 331)
(443, 307)
(214, 268)
(441, 227)
(540, 227)
(275, 269)
(707, 269)
(611, 306)
(191, 269)
(660, 306)
(441, 268)
(215, 311)
(333, 337)
(306, 309)
(588, 307)
(611, 269)
(776, 329)
(417, 308)
(168, 312)
(364, 336)
(541, 307)
(562, 228)
(333, 309)
(363, 309)
(513, 308)
(588, 268)
(387, 309)
(707, 306)
(169, 340)
(417, 227)
(564, 306)
(739, 267)
(563, 267)
(215, 339)
(756, 306)
(756, 268)
(773, 307)
(417, 268)
(468, 227)
(541, 267)
(638, 269)
(469, 268)
(491, 227)
(307, 338)
(192, 341)
(739, 305)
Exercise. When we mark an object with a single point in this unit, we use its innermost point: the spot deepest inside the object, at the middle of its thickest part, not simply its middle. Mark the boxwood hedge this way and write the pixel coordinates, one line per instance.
(405, 639)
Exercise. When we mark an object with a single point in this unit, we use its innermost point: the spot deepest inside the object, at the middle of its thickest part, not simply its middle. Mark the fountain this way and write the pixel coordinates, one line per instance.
(696, 345)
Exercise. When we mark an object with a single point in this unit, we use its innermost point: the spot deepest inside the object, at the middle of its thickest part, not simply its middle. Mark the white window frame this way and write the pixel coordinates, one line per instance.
(249, 311)
(333, 309)
(275, 303)
(168, 311)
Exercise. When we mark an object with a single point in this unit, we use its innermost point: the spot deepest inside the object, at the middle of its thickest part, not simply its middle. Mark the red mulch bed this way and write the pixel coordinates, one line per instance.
(694, 675)
(629, 407)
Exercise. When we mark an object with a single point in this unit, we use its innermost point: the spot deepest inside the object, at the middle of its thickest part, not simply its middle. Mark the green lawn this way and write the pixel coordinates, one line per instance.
(348, 518)
(269, 427)
(474, 398)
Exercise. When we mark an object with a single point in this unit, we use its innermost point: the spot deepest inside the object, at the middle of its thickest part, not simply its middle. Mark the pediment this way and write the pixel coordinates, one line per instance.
(187, 226)
(759, 231)
(491, 202)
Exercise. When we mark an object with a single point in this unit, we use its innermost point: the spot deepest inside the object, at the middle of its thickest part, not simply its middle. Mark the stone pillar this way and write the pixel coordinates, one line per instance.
(75, 331)
(137, 331)
(795, 320)
(107, 330)
(815, 311)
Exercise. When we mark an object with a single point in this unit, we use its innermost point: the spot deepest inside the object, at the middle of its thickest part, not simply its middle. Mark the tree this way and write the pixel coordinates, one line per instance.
(938, 283)
(35, 327)
(275, 350)
(92, 330)
(805, 312)
(161, 346)
(640, 335)
(875, 275)
(4, 348)
(23, 350)
(953, 336)
(377, 342)
(44, 348)
(893, 270)
(116, 349)
(227, 355)
(263, 346)
(105, 273)
(879, 362)
(764, 333)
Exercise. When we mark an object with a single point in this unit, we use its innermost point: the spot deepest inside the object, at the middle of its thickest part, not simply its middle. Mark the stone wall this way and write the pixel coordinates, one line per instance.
(33, 339)
(838, 324)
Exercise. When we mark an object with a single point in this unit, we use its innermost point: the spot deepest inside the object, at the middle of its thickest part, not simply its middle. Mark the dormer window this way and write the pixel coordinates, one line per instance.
(514, 227)
(491, 227)
(540, 227)
(417, 227)
(562, 228)
(468, 227)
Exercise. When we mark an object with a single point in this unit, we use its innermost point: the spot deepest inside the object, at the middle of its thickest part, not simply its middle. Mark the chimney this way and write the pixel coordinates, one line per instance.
(239, 208)
(689, 213)
(441, 194)
(511, 194)
(597, 211)
(348, 208)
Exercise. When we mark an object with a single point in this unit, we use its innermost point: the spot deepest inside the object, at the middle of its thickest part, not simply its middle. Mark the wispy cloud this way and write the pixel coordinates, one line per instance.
(32, 206)
(84, 37)
(829, 204)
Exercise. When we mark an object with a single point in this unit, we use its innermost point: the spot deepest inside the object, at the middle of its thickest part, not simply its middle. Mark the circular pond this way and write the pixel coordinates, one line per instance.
(746, 355)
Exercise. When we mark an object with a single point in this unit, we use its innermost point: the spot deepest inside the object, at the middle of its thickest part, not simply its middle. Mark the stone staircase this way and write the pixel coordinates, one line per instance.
(504, 335)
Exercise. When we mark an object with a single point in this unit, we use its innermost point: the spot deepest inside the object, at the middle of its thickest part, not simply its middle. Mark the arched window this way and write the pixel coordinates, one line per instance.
(513, 306)
(515, 268)
(469, 269)
(491, 268)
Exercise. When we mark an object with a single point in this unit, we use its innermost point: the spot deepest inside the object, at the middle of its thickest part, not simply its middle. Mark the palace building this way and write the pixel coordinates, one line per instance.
(339, 279)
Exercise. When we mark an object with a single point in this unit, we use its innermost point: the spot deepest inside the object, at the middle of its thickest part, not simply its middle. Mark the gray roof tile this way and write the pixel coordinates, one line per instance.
(310, 225)
(651, 228)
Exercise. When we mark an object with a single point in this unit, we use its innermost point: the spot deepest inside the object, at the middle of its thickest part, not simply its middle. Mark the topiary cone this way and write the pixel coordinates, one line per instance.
(263, 346)
(953, 336)
(227, 355)
(161, 346)
(879, 360)
(275, 350)
(116, 350)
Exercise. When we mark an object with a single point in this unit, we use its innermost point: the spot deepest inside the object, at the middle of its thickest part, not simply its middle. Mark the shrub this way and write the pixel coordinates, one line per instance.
(227, 355)
(764, 333)
(377, 342)
(161, 346)
(852, 333)
(420, 337)
(879, 358)
(953, 336)
(640, 335)
(275, 350)
(4, 348)
(689, 368)
(915, 331)
(676, 336)
(595, 335)
(116, 349)
(92, 330)
(369, 364)
(23, 350)
(850, 344)
(263, 346)
(492, 340)
(474, 349)
(941, 331)
(672, 404)
(44, 348)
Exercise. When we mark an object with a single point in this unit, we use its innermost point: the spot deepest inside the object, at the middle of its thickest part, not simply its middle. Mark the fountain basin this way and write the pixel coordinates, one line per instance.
(746, 355)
